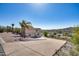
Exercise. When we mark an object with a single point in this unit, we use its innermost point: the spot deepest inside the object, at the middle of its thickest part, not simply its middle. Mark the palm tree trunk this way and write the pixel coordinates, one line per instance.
(23, 33)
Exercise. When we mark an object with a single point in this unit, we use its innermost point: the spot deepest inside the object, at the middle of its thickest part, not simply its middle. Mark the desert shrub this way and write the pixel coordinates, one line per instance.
(73, 52)
(5, 29)
(54, 33)
(75, 36)
(59, 35)
(59, 32)
(17, 30)
(1, 29)
(8, 29)
(75, 39)
(52, 36)
(45, 34)
(65, 34)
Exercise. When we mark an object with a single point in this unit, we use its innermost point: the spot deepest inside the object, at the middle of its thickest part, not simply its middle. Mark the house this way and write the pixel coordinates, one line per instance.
(33, 32)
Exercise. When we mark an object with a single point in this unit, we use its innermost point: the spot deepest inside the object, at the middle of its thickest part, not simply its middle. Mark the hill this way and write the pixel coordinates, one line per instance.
(69, 30)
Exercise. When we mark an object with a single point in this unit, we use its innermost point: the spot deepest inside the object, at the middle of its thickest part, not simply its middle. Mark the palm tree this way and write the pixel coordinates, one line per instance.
(12, 27)
(25, 25)
(8, 29)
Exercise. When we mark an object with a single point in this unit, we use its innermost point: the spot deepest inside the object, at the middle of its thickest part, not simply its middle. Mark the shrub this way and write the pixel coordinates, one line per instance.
(17, 30)
(75, 39)
(75, 36)
(65, 34)
(73, 52)
(1, 29)
(46, 34)
(54, 33)
(8, 29)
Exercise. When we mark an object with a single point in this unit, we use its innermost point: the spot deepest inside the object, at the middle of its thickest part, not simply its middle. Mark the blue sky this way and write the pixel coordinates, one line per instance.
(45, 16)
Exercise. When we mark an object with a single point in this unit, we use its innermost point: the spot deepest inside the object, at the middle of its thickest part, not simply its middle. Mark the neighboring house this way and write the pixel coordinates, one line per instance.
(33, 32)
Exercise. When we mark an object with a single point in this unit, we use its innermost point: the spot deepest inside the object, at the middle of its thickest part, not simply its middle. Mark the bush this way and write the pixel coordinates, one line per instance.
(54, 33)
(75, 36)
(65, 34)
(17, 30)
(52, 36)
(8, 29)
(75, 39)
(73, 52)
(1, 29)
(46, 34)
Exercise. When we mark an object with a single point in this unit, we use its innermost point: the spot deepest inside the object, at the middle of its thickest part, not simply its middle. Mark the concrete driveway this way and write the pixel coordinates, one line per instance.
(33, 48)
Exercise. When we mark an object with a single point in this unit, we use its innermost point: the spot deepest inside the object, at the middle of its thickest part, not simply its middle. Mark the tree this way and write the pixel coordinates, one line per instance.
(12, 27)
(25, 25)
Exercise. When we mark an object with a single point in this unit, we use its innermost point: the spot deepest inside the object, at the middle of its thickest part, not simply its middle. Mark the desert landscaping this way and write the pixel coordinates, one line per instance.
(13, 44)
(40, 46)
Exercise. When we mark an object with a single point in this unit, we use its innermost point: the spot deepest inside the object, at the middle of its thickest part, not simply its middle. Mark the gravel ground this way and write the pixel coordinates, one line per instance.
(64, 51)
(9, 37)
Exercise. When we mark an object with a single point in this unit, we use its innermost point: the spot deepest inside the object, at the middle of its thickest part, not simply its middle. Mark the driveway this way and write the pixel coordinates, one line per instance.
(46, 47)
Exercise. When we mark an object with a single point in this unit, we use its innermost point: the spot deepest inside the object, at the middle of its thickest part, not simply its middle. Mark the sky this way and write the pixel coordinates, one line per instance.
(41, 15)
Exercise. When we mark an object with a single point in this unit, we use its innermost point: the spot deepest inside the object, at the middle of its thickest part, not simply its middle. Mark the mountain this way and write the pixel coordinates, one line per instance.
(69, 30)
